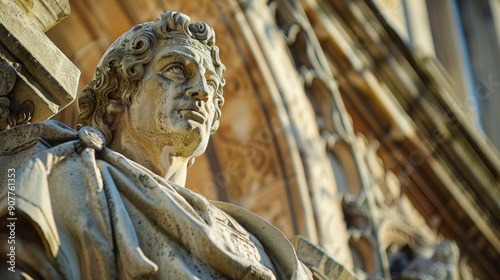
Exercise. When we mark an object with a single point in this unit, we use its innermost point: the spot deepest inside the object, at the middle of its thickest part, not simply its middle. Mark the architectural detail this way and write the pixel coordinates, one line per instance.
(45, 78)
(442, 264)
(358, 124)
(405, 102)
(253, 155)
(116, 186)
(7, 81)
(10, 117)
(381, 218)
(320, 93)
(45, 14)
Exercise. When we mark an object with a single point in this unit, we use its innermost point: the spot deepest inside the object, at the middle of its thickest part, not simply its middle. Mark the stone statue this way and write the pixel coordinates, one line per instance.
(108, 201)
(443, 264)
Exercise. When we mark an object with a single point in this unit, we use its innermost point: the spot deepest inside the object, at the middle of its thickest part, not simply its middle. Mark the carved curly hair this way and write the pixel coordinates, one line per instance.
(121, 69)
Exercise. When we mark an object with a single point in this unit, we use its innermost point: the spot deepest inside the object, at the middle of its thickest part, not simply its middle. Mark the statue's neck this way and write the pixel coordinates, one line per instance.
(160, 160)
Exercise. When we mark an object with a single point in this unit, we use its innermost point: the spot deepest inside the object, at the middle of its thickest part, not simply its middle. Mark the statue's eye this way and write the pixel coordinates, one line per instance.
(174, 70)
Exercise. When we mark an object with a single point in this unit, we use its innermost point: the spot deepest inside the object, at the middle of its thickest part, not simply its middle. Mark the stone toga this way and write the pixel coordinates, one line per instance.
(98, 215)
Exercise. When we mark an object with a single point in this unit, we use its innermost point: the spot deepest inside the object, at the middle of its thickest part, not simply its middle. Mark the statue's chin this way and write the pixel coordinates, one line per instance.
(185, 143)
(201, 149)
(193, 134)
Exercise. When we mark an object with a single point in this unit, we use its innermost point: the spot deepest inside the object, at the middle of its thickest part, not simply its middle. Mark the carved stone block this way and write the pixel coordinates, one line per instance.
(45, 13)
(45, 76)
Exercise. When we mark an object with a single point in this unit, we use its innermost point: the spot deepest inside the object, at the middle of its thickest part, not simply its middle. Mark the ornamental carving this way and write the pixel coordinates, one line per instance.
(10, 114)
(437, 263)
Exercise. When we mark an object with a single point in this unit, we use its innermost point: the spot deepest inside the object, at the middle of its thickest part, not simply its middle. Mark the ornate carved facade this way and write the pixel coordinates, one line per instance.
(334, 127)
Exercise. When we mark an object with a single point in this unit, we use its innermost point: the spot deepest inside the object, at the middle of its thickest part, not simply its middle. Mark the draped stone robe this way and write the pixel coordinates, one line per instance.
(98, 215)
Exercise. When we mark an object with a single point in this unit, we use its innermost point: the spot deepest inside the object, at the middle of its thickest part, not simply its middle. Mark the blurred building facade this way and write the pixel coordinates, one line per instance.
(370, 127)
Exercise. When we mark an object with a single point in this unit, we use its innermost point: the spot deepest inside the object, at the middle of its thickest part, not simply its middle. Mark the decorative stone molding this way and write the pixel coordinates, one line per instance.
(10, 116)
(436, 159)
(380, 219)
(45, 13)
(331, 122)
(7, 81)
(438, 263)
(46, 80)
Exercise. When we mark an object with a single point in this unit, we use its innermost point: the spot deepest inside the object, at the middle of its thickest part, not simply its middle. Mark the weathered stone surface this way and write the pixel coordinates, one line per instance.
(12, 114)
(46, 76)
(441, 263)
(321, 265)
(258, 158)
(112, 196)
(44, 13)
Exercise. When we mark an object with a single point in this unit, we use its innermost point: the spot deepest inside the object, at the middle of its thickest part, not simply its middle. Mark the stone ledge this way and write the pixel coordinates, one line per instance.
(47, 76)
(45, 13)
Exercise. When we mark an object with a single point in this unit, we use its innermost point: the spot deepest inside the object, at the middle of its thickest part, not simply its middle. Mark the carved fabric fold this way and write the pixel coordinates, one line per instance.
(102, 216)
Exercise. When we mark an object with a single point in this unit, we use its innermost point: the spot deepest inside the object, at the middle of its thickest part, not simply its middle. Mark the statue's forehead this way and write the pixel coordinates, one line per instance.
(188, 48)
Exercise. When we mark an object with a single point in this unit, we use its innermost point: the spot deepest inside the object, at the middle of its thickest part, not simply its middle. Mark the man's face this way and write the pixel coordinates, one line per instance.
(175, 104)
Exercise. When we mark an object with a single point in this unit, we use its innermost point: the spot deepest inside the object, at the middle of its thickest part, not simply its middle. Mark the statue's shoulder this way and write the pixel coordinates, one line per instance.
(21, 137)
(21, 143)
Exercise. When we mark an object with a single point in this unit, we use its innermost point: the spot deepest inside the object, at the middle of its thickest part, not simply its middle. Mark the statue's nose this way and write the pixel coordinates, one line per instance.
(199, 89)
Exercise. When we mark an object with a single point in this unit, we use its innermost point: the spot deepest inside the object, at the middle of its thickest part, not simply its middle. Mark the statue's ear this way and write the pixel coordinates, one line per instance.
(114, 113)
(115, 107)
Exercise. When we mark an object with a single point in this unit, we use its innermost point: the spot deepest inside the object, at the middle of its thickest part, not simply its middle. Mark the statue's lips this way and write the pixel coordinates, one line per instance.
(193, 114)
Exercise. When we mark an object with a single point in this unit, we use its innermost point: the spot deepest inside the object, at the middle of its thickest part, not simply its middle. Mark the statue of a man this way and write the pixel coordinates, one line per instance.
(108, 201)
